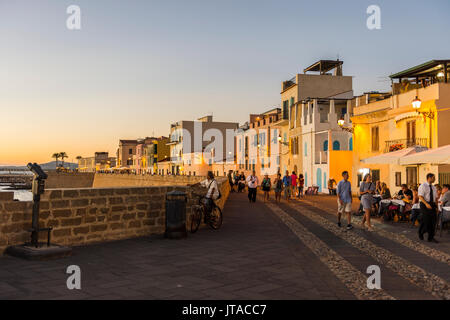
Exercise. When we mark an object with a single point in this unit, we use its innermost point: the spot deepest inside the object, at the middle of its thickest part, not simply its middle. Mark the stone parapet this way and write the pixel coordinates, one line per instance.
(87, 215)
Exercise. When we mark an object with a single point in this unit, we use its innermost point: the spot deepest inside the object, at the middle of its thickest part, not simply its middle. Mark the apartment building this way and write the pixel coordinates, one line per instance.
(196, 145)
(411, 118)
(100, 161)
(258, 144)
(126, 152)
(312, 141)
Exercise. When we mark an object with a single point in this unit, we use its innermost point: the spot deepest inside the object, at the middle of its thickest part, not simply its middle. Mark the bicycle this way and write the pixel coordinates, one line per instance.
(214, 219)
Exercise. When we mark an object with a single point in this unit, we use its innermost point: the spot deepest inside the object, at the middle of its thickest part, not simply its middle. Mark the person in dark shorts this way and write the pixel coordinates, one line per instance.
(266, 185)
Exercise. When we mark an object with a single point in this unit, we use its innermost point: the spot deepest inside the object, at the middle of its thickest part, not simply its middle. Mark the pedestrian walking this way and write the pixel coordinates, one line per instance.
(241, 182)
(266, 185)
(252, 184)
(293, 183)
(428, 207)
(344, 199)
(230, 180)
(301, 185)
(287, 186)
(278, 183)
(367, 190)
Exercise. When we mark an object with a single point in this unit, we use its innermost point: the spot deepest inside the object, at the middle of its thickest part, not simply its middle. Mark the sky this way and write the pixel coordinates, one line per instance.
(135, 67)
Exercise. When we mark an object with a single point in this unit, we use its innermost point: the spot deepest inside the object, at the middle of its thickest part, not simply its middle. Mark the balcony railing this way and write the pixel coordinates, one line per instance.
(399, 144)
(321, 157)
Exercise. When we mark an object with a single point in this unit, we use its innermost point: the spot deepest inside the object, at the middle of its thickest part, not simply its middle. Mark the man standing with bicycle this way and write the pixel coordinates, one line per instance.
(213, 191)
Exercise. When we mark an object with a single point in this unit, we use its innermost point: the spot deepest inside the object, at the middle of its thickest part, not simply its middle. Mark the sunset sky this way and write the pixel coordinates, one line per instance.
(137, 66)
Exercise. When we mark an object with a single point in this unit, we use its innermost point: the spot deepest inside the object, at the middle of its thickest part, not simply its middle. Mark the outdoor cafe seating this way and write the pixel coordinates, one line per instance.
(393, 210)
(444, 217)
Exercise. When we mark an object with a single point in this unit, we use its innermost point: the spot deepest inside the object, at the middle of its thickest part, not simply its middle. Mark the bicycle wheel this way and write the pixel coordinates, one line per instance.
(196, 219)
(215, 219)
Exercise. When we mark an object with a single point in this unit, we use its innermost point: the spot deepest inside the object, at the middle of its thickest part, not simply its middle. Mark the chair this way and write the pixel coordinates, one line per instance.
(444, 217)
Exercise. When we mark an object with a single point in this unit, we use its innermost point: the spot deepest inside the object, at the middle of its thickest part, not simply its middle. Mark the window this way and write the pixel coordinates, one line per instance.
(375, 175)
(350, 144)
(325, 145)
(336, 145)
(130, 151)
(411, 133)
(398, 179)
(375, 139)
(286, 109)
(411, 176)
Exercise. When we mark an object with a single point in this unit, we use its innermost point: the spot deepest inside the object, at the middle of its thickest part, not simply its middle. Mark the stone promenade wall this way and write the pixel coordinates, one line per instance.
(107, 180)
(85, 215)
(58, 180)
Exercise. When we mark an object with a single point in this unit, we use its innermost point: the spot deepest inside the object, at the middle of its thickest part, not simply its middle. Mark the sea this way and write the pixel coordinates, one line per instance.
(20, 195)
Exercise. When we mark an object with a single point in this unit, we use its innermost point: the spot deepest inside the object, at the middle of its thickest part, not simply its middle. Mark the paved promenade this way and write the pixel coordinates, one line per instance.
(263, 251)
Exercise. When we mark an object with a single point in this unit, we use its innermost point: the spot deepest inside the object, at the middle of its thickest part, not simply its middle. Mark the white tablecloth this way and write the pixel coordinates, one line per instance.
(398, 202)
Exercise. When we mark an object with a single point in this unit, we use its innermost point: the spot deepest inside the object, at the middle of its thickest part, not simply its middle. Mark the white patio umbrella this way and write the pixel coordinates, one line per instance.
(439, 155)
(393, 157)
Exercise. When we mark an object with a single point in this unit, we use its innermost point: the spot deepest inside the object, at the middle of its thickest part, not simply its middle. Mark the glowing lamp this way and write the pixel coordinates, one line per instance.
(416, 103)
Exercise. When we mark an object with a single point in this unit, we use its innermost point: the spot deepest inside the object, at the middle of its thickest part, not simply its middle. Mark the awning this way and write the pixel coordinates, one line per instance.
(406, 115)
(434, 156)
(393, 157)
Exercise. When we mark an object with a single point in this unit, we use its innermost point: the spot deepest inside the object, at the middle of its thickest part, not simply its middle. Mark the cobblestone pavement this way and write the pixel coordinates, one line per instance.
(263, 251)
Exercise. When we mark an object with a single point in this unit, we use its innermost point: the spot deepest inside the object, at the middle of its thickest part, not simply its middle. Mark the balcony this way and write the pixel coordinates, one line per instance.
(399, 144)
(321, 157)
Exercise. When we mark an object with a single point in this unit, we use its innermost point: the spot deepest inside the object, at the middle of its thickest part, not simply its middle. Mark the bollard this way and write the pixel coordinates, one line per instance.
(175, 215)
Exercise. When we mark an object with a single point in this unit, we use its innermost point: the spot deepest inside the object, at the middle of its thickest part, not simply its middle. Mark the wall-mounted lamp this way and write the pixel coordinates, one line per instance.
(341, 123)
(282, 142)
(416, 104)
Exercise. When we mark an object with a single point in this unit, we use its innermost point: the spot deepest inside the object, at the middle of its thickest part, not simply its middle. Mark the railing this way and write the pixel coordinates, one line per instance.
(321, 157)
(399, 144)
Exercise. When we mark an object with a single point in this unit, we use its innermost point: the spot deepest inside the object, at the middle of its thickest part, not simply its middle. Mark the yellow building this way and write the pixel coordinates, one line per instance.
(388, 126)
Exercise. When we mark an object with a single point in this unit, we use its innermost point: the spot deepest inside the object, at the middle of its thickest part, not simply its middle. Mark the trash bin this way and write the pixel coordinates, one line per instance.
(176, 215)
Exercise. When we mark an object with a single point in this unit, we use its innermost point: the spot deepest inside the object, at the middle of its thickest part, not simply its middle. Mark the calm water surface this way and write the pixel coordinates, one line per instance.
(21, 195)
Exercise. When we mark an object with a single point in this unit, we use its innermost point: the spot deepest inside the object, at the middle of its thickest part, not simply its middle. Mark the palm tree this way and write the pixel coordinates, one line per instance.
(63, 155)
(56, 156)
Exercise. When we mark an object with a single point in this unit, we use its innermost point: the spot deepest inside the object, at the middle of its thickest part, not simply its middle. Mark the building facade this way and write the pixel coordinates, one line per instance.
(312, 141)
(388, 126)
(196, 145)
(100, 161)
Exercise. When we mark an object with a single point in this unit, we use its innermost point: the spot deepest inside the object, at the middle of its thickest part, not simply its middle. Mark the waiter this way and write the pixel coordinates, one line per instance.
(428, 207)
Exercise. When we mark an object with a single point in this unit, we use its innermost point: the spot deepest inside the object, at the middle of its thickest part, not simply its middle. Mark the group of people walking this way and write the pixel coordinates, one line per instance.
(291, 184)
(425, 200)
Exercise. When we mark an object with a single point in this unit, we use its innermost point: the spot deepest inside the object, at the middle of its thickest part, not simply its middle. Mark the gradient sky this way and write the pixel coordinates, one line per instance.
(137, 66)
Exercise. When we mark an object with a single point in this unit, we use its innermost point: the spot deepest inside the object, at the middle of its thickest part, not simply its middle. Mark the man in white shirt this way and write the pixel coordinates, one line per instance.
(252, 183)
(213, 191)
(428, 206)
